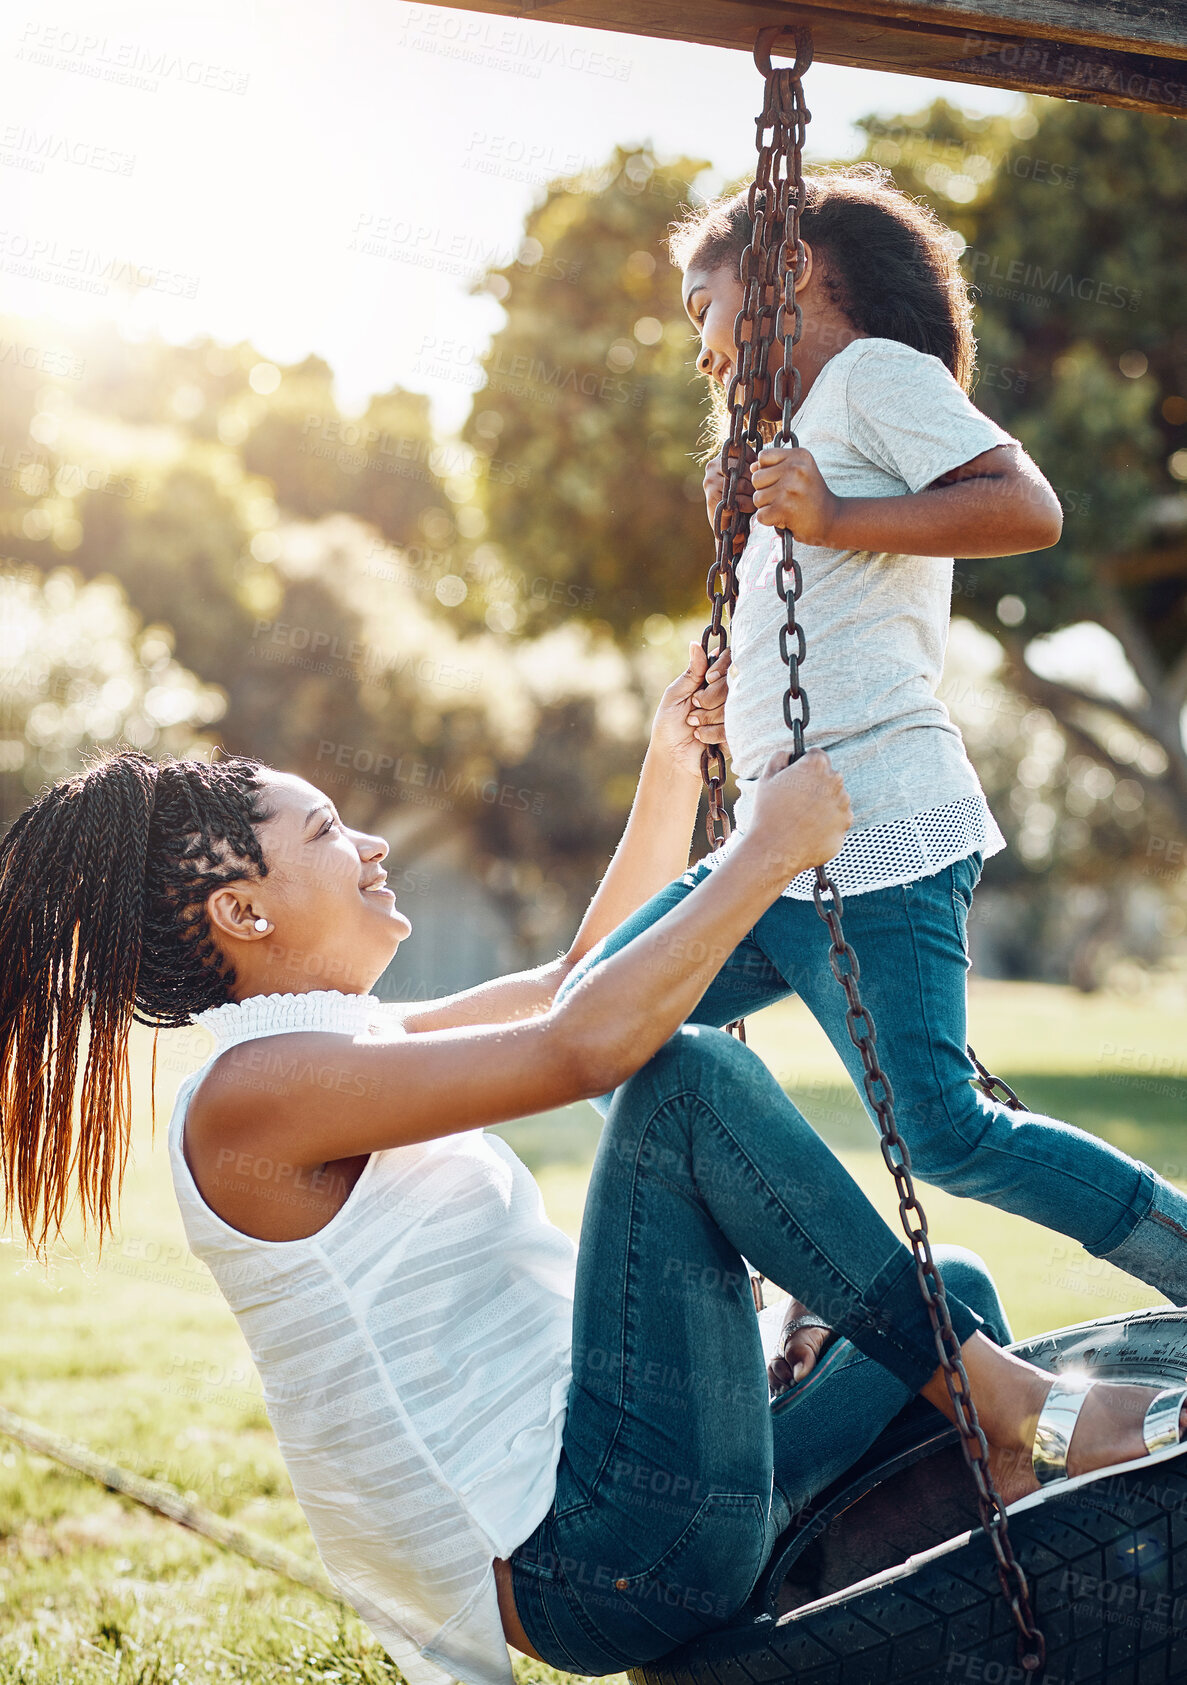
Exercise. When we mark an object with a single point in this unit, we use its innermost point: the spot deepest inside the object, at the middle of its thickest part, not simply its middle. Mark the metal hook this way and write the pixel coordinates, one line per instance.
(766, 38)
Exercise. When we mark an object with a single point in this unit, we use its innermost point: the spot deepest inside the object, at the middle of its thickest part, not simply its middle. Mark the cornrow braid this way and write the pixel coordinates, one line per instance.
(103, 882)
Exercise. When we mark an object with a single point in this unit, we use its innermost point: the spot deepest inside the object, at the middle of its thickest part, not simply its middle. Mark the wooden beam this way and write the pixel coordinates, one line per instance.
(1107, 52)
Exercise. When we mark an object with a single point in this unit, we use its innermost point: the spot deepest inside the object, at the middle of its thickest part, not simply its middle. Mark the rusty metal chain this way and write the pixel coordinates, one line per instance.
(731, 524)
(995, 1087)
(770, 268)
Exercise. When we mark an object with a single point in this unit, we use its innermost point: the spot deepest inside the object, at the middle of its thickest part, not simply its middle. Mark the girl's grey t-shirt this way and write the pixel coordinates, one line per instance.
(882, 419)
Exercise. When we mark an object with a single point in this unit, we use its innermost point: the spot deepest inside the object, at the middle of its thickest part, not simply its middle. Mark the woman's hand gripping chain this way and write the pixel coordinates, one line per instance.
(691, 712)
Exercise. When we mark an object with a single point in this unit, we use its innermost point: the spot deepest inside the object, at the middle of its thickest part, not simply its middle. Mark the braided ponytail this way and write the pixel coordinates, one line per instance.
(103, 883)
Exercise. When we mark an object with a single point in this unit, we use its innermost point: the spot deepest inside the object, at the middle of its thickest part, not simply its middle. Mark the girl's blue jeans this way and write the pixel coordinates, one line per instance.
(911, 946)
(677, 1475)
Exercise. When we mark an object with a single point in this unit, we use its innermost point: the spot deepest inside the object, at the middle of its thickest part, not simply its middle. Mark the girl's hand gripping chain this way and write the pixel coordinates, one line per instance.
(714, 484)
(789, 491)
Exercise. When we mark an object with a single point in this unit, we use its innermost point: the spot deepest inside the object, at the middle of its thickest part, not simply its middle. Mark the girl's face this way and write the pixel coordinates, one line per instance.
(332, 923)
(713, 298)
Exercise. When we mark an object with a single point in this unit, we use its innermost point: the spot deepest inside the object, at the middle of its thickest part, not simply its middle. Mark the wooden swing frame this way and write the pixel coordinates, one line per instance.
(1106, 52)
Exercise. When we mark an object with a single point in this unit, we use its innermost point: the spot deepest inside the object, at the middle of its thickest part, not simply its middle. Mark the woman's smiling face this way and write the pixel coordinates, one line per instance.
(331, 922)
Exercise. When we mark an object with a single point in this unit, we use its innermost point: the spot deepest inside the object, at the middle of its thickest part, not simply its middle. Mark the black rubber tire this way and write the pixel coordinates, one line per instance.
(1106, 1557)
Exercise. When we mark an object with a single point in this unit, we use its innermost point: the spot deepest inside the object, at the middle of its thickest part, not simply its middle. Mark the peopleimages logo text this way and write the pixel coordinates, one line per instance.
(1055, 283)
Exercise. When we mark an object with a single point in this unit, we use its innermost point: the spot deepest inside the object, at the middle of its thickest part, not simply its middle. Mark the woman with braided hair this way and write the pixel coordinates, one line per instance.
(494, 1436)
(102, 922)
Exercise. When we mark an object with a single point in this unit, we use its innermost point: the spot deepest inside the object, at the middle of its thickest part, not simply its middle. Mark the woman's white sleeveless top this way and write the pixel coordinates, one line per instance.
(415, 1355)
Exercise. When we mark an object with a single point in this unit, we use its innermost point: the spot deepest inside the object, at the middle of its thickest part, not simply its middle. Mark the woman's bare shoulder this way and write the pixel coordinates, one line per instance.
(236, 1151)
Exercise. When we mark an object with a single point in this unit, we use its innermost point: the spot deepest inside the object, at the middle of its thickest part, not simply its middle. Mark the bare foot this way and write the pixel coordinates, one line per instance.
(1013, 1473)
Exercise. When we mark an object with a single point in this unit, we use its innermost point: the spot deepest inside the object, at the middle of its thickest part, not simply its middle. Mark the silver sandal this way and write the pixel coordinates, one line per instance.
(1062, 1406)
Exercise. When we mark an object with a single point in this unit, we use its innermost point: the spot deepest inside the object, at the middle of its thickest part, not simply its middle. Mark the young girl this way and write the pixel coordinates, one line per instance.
(493, 1439)
(896, 473)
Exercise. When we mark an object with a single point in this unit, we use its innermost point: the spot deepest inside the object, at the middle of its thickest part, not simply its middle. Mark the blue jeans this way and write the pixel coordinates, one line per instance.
(676, 1473)
(911, 946)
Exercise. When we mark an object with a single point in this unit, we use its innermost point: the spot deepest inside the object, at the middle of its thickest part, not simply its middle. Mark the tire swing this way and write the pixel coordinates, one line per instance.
(902, 1571)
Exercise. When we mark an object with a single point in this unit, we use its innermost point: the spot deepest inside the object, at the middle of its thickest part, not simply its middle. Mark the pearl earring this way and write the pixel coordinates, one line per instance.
(261, 924)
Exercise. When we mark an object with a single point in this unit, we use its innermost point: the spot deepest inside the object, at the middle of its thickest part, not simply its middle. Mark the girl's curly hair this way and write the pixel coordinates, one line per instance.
(888, 260)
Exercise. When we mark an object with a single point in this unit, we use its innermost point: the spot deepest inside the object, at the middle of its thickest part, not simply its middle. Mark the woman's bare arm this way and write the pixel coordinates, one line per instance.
(311, 1099)
(502, 1000)
(653, 851)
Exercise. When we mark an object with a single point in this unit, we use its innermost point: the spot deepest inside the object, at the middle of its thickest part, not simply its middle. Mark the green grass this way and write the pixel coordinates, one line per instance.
(135, 1354)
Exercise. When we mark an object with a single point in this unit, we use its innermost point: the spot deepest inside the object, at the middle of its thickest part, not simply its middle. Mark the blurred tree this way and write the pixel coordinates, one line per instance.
(378, 466)
(393, 471)
(1075, 223)
(176, 539)
(355, 663)
(571, 509)
(292, 436)
(78, 672)
(1086, 881)
(152, 383)
(282, 421)
(591, 410)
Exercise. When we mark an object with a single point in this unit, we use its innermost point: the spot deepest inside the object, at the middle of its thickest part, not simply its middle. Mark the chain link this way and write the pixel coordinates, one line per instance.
(771, 265)
(994, 1086)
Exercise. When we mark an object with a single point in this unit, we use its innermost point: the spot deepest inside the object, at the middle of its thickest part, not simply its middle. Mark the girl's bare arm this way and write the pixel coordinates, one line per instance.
(996, 504)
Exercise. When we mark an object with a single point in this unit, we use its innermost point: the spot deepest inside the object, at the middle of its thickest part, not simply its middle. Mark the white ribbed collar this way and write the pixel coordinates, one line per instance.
(272, 1015)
